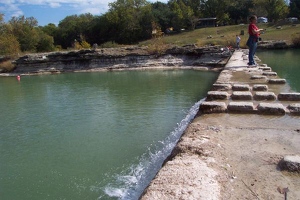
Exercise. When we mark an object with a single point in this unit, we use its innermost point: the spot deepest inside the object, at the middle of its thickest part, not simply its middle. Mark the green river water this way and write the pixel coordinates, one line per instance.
(92, 135)
(286, 63)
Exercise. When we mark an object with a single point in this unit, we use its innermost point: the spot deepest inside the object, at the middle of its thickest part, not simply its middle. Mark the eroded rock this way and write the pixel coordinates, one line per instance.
(290, 163)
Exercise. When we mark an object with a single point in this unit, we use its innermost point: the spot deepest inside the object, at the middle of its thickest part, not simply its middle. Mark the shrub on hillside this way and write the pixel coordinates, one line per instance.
(296, 39)
(7, 66)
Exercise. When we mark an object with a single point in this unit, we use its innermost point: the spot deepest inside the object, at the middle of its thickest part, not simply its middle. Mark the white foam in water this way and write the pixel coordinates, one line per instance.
(131, 184)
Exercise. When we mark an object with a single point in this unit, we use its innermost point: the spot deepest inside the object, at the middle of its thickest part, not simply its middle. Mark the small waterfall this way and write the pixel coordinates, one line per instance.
(130, 185)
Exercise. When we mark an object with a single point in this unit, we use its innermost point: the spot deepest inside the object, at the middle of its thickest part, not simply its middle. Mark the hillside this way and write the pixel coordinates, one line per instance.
(225, 35)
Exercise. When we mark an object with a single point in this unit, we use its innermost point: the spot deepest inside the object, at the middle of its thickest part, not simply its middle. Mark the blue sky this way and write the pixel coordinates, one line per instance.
(53, 11)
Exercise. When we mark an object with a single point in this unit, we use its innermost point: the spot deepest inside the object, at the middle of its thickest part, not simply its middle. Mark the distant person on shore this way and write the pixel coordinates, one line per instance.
(254, 33)
(238, 40)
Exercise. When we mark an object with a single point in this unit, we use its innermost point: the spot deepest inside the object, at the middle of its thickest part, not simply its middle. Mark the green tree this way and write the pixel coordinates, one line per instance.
(45, 43)
(239, 10)
(162, 14)
(215, 8)
(130, 20)
(275, 9)
(24, 30)
(182, 15)
(294, 8)
(72, 27)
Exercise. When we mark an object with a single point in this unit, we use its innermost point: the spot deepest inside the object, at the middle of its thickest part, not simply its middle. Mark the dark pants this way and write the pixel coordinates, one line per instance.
(252, 44)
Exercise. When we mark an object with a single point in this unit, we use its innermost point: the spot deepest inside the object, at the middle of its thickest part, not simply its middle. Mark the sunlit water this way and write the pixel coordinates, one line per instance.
(286, 63)
(92, 135)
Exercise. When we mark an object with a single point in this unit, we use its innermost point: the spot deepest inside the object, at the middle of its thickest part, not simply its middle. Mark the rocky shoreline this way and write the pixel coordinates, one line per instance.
(107, 59)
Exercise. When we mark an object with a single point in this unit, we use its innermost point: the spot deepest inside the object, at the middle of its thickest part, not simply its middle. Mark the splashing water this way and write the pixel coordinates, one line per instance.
(130, 183)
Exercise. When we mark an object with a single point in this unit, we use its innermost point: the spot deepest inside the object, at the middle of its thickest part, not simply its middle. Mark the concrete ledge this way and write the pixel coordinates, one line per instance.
(221, 87)
(277, 81)
(260, 88)
(269, 74)
(289, 97)
(241, 96)
(241, 87)
(294, 108)
(216, 95)
(213, 107)
(255, 77)
(290, 163)
(259, 96)
(241, 107)
(271, 109)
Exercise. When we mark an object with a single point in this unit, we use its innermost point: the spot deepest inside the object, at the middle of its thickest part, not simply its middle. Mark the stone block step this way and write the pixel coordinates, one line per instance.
(241, 87)
(260, 96)
(241, 95)
(216, 95)
(269, 73)
(271, 109)
(213, 107)
(221, 87)
(277, 81)
(258, 87)
(241, 107)
(294, 108)
(258, 77)
(289, 97)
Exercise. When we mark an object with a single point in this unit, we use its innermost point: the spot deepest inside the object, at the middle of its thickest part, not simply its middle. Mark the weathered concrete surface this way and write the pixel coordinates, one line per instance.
(243, 150)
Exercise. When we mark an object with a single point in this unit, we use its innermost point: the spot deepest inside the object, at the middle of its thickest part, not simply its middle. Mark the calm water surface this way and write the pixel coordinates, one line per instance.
(92, 135)
(286, 63)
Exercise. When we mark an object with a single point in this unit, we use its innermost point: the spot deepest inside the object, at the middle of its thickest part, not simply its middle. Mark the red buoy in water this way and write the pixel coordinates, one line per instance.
(18, 77)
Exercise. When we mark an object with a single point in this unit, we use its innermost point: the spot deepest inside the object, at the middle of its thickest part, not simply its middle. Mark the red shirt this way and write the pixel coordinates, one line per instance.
(252, 27)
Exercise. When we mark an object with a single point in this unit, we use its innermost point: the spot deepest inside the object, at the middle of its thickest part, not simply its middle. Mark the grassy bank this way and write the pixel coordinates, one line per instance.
(225, 35)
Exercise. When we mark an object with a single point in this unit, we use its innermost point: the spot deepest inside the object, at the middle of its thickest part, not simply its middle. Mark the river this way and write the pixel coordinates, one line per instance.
(286, 63)
(92, 135)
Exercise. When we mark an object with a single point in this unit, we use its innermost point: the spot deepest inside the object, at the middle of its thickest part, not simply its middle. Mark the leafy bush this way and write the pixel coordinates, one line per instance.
(157, 46)
(85, 45)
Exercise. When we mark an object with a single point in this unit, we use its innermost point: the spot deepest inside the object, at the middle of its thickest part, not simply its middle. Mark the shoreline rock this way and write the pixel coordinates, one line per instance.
(210, 57)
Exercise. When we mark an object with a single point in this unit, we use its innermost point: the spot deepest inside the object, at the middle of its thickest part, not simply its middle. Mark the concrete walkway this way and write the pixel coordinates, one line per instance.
(248, 123)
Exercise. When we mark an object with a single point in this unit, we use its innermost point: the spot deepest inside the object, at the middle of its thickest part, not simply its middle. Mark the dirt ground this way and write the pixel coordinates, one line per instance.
(218, 157)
